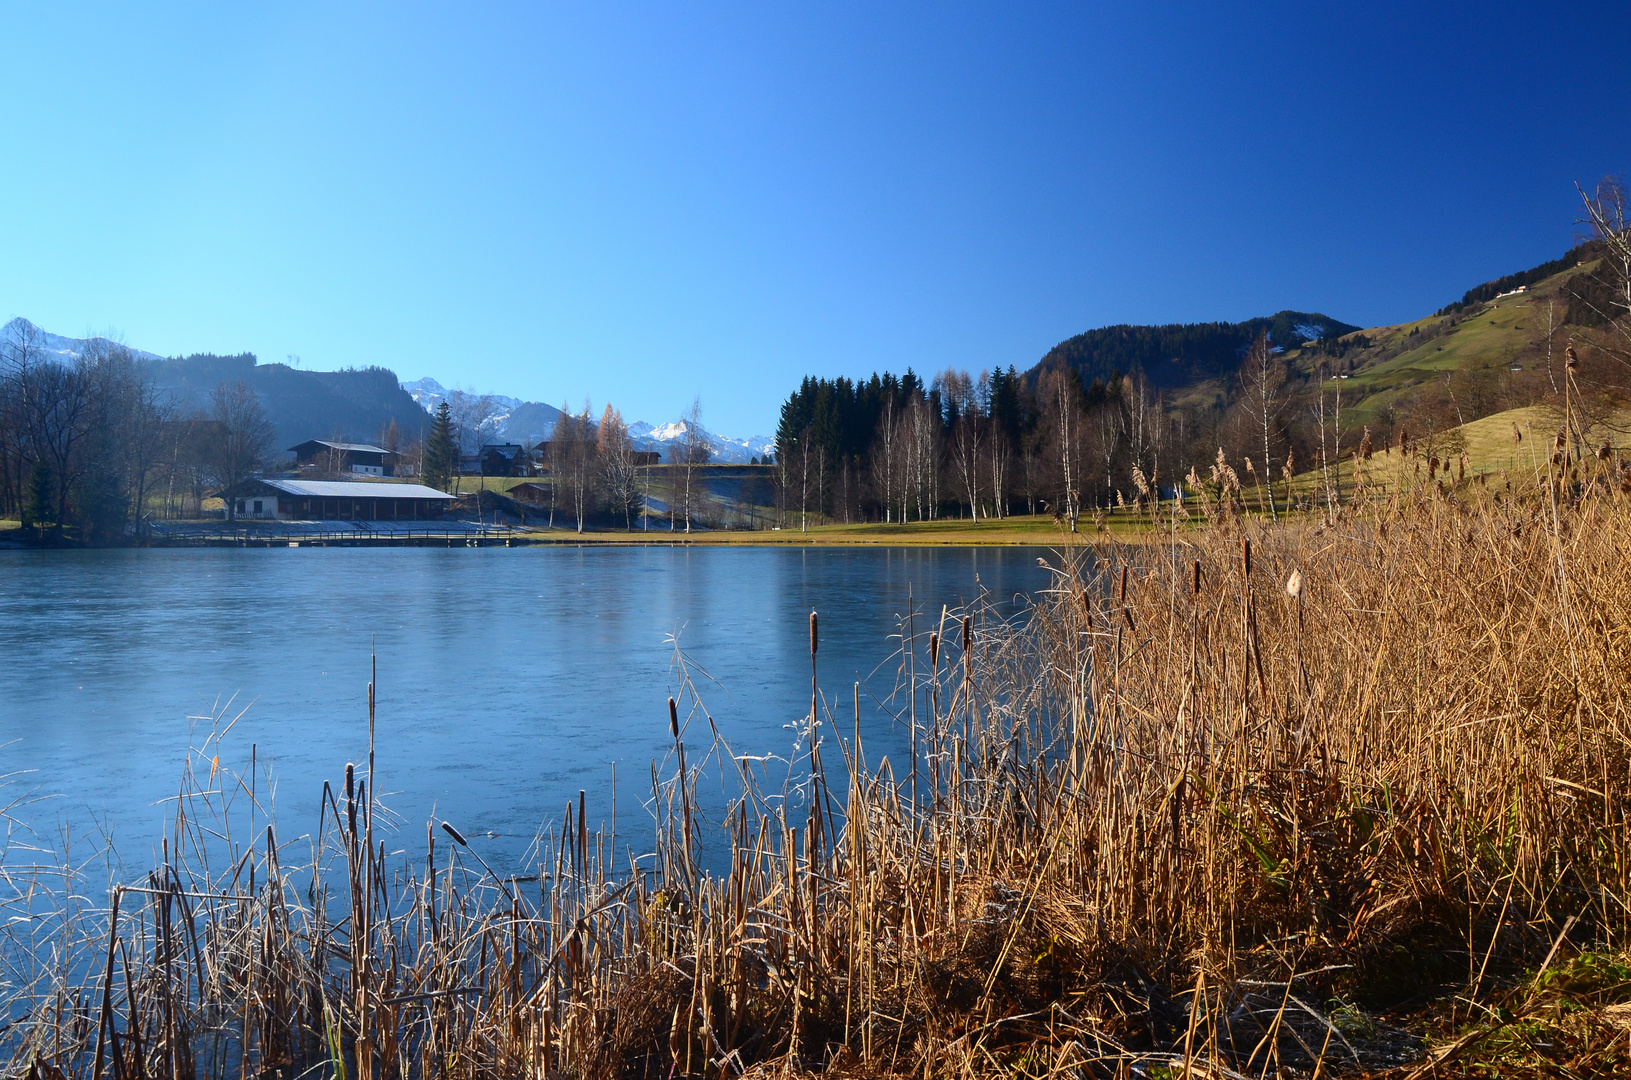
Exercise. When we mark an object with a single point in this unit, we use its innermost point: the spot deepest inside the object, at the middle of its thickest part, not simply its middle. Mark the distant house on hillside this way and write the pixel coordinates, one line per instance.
(504, 459)
(320, 455)
(334, 500)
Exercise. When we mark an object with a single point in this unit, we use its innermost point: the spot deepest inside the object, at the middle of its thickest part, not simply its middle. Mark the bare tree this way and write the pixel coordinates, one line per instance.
(572, 458)
(999, 444)
(923, 457)
(57, 410)
(692, 452)
(884, 463)
(243, 437)
(1109, 427)
(1264, 377)
(617, 465)
(1606, 213)
(1062, 393)
(962, 405)
(128, 423)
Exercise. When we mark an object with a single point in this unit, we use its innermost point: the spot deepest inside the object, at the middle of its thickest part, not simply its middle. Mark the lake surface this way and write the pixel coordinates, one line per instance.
(509, 679)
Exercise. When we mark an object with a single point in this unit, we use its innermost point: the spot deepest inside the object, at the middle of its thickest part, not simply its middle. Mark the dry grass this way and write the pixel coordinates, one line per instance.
(1187, 818)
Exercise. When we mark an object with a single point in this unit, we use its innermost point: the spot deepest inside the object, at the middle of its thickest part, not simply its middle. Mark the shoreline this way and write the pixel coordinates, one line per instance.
(1008, 532)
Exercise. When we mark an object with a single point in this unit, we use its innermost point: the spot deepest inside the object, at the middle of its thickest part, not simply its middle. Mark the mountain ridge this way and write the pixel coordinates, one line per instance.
(534, 421)
(1174, 355)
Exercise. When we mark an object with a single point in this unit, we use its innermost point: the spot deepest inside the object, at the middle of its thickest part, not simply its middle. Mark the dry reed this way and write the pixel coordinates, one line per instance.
(1216, 806)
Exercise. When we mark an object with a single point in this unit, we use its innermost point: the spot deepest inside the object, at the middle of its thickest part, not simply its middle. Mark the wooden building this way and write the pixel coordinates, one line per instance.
(334, 500)
(505, 459)
(364, 459)
(531, 492)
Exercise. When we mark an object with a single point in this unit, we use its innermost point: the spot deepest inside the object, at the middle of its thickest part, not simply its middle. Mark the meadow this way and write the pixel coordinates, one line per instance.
(1345, 795)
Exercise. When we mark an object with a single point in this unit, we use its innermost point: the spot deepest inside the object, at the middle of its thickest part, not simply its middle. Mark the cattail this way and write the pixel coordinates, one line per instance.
(934, 650)
(458, 838)
(1604, 453)
(1197, 577)
(1294, 584)
(1517, 435)
(673, 719)
(1432, 467)
(812, 633)
(1366, 448)
(1573, 361)
(1463, 466)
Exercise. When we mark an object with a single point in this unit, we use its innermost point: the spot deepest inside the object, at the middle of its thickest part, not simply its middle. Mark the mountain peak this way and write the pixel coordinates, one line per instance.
(20, 332)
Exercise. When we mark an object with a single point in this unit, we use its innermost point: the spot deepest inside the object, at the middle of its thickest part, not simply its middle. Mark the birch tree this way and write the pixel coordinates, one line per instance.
(1264, 378)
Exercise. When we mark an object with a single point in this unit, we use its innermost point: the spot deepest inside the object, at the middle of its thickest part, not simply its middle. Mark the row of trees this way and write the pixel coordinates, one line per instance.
(89, 449)
(897, 448)
(592, 466)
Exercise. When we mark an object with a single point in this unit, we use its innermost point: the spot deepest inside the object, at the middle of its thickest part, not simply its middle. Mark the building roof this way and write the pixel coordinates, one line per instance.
(345, 446)
(352, 489)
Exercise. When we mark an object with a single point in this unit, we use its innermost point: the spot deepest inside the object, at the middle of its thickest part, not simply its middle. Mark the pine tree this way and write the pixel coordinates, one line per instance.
(40, 509)
(441, 449)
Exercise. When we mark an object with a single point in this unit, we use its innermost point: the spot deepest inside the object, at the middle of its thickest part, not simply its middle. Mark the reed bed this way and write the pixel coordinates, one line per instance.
(1306, 800)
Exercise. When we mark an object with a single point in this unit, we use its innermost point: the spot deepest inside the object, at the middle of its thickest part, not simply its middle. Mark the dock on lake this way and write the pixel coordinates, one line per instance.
(268, 533)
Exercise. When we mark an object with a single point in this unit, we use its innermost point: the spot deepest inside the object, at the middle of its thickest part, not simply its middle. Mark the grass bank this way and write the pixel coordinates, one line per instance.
(1026, 530)
(1297, 801)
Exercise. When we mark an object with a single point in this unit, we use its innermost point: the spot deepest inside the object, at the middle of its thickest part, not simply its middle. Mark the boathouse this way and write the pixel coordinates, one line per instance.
(334, 500)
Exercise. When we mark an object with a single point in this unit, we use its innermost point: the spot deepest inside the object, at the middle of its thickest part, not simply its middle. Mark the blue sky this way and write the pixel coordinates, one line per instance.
(643, 203)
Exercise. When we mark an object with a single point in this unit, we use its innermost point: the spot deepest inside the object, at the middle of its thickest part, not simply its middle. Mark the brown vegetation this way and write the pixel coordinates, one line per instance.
(1256, 801)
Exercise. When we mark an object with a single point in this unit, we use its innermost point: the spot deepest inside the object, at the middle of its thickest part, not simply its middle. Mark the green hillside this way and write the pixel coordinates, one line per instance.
(1476, 358)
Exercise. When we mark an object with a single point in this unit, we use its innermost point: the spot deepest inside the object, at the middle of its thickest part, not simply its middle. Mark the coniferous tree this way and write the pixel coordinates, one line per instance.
(441, 449)
(39, 509)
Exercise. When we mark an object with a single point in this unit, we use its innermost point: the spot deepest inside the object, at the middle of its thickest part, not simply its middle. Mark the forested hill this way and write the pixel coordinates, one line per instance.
(1178, 354)
(302, 405)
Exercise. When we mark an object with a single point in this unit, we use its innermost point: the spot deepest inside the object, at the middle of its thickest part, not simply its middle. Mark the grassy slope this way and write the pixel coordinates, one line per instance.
(1505, 332)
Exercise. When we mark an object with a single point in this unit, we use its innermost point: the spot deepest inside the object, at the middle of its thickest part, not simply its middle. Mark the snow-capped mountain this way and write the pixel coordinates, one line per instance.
(429, 393)
(529, 422)
(727, 451)
(19, 332)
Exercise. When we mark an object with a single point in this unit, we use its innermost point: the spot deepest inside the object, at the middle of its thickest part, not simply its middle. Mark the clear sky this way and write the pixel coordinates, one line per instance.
(643, 203)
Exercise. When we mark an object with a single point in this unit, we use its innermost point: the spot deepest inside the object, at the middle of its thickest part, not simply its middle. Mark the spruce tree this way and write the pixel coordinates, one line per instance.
(40, 507)
(440, 449)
